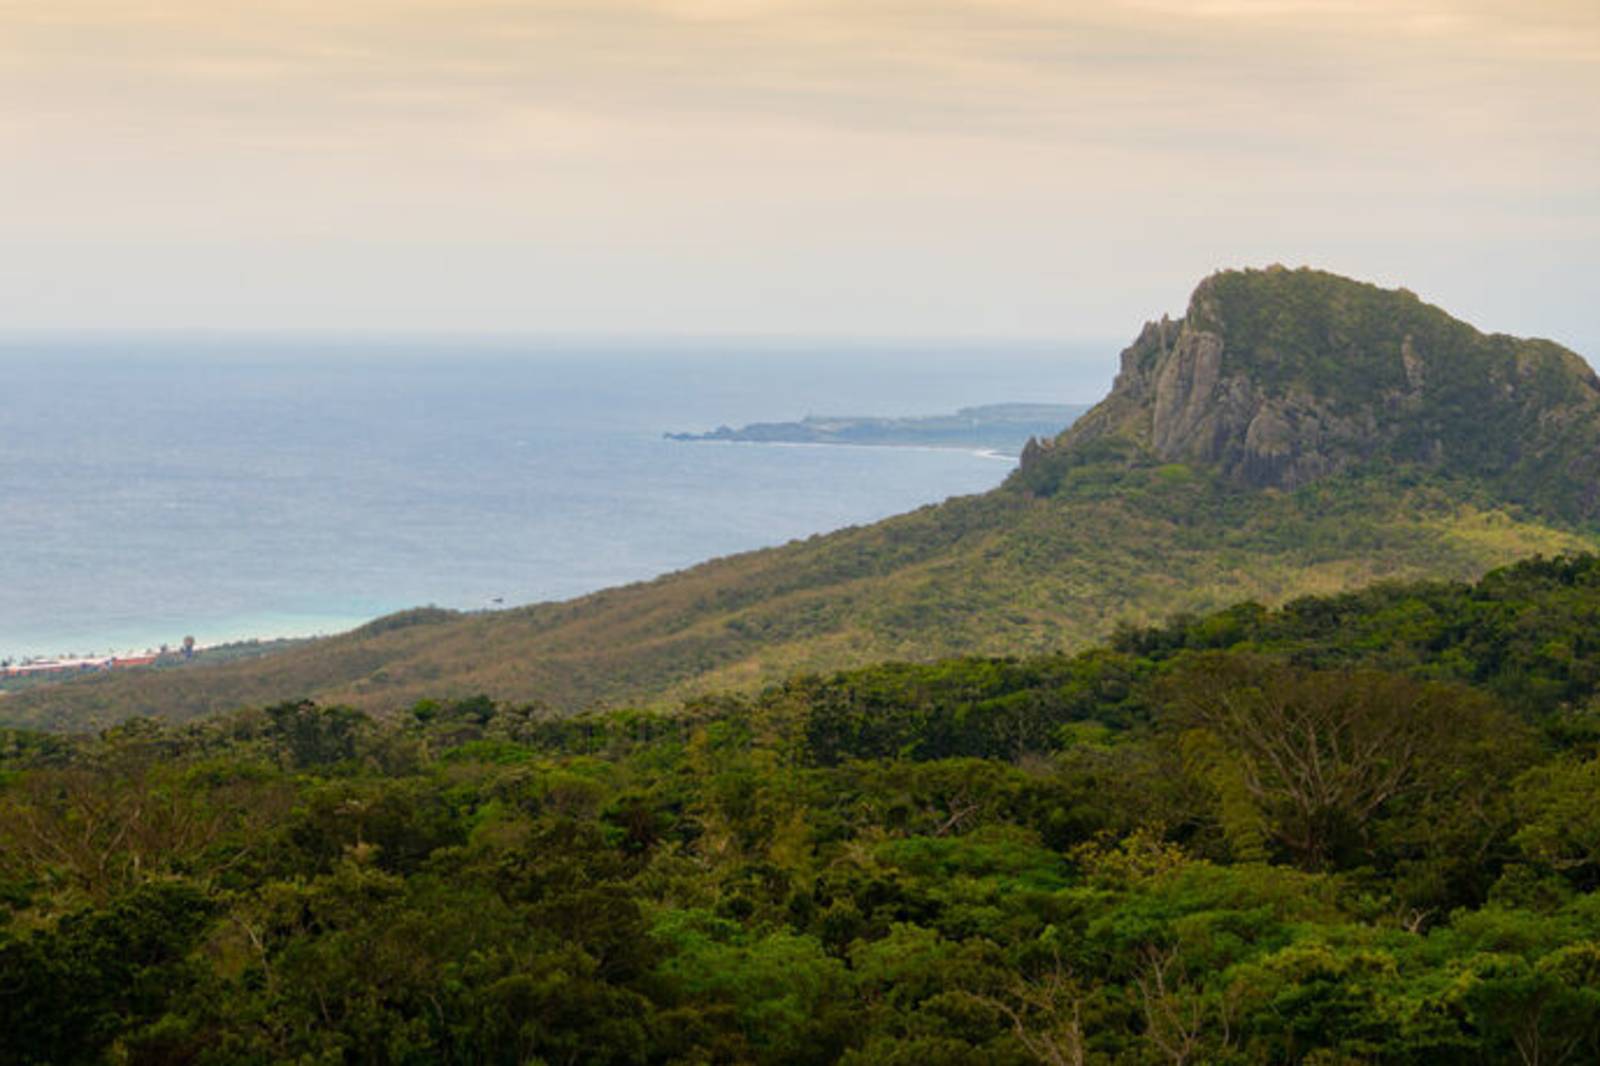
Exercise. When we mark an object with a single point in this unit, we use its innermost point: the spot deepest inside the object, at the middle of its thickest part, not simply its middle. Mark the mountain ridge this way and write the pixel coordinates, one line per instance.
(1276, 441)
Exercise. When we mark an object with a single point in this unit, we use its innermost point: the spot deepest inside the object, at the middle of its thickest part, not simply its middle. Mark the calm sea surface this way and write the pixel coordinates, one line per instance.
(228, 488)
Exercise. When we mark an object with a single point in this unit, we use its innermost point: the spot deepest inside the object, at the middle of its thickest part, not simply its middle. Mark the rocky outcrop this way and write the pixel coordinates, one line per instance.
(1201, 414)
(1279, 378)
(1186, 405)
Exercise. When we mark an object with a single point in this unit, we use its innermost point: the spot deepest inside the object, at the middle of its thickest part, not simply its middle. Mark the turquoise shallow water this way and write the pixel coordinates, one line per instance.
(234, 487)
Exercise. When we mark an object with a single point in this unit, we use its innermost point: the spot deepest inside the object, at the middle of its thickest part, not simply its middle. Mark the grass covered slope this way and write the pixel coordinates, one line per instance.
(1002, 573)
(1295, 433)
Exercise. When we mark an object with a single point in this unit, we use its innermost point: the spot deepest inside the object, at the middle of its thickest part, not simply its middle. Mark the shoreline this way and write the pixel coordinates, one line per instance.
(268, 629)
(224, 636)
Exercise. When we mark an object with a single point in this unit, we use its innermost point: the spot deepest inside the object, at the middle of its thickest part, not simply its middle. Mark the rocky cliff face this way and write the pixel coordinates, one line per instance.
(1278, 378)
(1200, 411)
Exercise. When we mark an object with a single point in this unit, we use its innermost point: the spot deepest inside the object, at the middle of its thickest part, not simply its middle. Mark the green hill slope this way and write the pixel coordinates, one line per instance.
(1294, 433)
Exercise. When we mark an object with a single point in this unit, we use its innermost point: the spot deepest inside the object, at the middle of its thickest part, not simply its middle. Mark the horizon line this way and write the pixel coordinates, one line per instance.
(368, 334)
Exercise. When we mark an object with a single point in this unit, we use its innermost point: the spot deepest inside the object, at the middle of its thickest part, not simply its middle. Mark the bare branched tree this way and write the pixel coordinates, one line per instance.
(1324, 751)
(1046, 1016)
(1174, 1019)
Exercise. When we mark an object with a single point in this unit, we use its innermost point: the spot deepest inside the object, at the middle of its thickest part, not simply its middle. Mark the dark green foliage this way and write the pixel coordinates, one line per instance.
(308, 735)
(1529, 633)
(99, 973)
(416, 616)
(992, 708)
(1359, 828)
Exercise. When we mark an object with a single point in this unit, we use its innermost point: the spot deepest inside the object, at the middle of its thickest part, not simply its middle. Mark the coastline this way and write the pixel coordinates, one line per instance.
(201, 518)
(208, 637)
(267, 628)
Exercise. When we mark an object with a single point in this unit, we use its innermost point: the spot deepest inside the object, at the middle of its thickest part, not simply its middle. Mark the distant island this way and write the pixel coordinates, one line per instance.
(1001, 427)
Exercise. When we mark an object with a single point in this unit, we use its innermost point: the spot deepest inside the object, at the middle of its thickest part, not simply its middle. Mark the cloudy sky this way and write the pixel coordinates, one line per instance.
(944, 168)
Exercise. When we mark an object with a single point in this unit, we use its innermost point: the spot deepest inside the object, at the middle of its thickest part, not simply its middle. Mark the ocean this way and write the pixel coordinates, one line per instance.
(231, 487)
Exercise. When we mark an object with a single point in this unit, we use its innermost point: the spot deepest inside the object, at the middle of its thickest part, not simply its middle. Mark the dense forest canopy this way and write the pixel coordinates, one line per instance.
(1356, 829)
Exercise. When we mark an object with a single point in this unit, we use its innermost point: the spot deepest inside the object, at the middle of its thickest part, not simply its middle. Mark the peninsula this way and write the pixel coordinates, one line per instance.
(1001, 427)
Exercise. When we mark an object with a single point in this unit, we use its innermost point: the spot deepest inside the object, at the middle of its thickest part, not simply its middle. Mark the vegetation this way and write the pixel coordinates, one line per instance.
(1356, 829)
(1279, 378)
(214, 656)
(1003, 573)
(1348, 434)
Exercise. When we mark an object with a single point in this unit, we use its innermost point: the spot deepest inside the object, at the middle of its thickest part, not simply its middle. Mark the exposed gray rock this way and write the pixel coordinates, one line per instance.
(1278, 378)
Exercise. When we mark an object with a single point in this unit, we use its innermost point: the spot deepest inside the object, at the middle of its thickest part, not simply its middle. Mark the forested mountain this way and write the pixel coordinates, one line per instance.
(1357, 829)
(1294, 433)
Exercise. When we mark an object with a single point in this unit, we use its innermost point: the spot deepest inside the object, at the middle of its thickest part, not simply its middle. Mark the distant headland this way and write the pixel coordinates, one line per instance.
(1002, 427)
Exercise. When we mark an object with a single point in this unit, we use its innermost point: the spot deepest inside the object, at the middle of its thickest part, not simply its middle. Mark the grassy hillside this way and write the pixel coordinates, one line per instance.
(999, 573)
(1296, 433)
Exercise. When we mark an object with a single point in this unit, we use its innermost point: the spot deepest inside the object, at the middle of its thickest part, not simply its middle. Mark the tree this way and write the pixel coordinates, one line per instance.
(309, 735)
(1560, 820)
(1323, 752)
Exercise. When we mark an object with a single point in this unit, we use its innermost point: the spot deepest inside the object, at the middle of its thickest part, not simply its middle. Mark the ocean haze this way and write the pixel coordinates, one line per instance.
(153, 486)
(955, 167)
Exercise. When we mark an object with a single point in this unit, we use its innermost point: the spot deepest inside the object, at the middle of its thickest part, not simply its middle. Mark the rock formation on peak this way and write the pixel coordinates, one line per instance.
(1278, 378)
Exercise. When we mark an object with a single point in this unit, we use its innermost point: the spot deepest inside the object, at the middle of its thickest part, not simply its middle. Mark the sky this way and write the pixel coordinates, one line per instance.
(809, 168)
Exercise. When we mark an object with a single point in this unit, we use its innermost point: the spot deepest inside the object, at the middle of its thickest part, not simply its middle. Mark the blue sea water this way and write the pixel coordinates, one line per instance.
(235, 487)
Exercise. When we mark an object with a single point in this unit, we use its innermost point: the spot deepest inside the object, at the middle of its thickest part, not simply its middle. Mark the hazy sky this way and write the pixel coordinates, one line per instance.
(939, 168)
